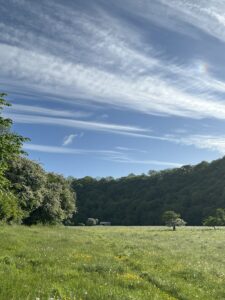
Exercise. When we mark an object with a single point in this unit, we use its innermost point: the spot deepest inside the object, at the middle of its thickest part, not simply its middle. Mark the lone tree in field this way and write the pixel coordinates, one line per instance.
(218, 219)
(172, 219)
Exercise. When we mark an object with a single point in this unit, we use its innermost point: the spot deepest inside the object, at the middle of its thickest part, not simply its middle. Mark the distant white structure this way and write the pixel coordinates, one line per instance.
(105, 223)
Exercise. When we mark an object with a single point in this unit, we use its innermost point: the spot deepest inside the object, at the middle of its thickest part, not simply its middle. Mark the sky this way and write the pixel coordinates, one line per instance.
(111, 87)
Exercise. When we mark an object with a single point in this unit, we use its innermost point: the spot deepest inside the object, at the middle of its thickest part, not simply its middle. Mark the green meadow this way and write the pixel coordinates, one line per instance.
(115, 263)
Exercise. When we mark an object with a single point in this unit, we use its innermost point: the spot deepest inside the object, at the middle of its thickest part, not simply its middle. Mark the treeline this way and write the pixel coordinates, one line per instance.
(28, 194)
(193, 191)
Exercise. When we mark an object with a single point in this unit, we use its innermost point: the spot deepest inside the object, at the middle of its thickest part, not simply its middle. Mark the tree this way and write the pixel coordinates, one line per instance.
(28, 182)
(43, 197)
(10, 147)
(58, 202)
(10, 143)
(27, 192)
(152, 172)
(172, 219)
(218, 219)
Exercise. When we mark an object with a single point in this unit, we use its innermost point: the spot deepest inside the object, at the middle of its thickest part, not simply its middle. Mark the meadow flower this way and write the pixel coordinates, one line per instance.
(130, 276)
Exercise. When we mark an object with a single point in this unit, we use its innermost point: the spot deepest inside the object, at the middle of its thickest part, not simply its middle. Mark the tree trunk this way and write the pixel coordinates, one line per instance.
(174, 227)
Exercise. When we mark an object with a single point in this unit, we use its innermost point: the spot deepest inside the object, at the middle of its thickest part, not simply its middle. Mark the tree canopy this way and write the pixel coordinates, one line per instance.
(10, 142)
(27, 193)
(217, 219)
(195, 192)
(10, 147)
(172, 219)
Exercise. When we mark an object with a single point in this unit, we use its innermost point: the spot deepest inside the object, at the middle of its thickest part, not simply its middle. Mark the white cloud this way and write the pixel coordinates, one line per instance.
(69, 139)
(103, 59)
(129, 160)
(114, 156)
(121, 148)
(88, 125)
(210, 142)
(207, 16)
(29, 109)
(147, 94)
(182, 16)
(63, 150)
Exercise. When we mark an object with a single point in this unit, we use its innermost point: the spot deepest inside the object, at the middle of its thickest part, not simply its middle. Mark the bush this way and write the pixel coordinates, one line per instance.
(91, 222)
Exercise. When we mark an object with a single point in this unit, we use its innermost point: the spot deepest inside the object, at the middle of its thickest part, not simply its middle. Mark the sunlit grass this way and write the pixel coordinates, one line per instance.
(111, 263)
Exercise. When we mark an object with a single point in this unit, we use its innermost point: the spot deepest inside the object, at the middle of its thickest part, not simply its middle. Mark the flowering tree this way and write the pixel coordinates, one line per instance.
(172, 219)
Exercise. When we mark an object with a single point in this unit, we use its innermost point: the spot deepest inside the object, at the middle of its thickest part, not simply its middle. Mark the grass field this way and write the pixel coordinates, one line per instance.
(116, 263)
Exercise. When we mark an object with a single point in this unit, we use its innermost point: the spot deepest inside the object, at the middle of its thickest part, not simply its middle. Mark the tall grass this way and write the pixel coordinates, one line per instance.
(118, 263)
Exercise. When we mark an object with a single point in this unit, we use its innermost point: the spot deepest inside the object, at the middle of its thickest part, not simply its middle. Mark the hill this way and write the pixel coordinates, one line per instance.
(194, 191)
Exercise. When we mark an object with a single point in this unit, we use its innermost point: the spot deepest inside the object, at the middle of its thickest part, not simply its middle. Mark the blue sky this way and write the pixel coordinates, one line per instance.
(113, 87)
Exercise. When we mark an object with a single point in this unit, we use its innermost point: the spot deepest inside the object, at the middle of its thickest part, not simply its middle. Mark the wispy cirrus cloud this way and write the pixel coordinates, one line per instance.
(88, 125)
(201, 141)
(69, 139)
(209, 142)
(63, 150)
(30, 109)
(109, 62)
(182, 16)
(147, 94)
(207, 16)
(109, 155)
(130, 160)
(121, 148)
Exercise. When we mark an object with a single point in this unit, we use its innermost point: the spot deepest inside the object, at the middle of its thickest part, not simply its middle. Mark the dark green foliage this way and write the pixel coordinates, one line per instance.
(210, 221)
(172, 219)
(10, 147)
(169, 216)
(10, 143)
(9, 208)
(218, 219)
(192, 191)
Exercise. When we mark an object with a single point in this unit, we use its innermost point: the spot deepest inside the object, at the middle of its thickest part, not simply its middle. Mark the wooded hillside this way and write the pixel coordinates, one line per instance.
(193, 191)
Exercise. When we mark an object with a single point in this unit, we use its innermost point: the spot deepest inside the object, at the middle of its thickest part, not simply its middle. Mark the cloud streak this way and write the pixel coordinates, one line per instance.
(29, 109)
(128, 160)
(63, 150)
(110, 155)
(109, 62)
(207, 16)
(69, 139)
(209, 142)
(88, 125)
(201, 141)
